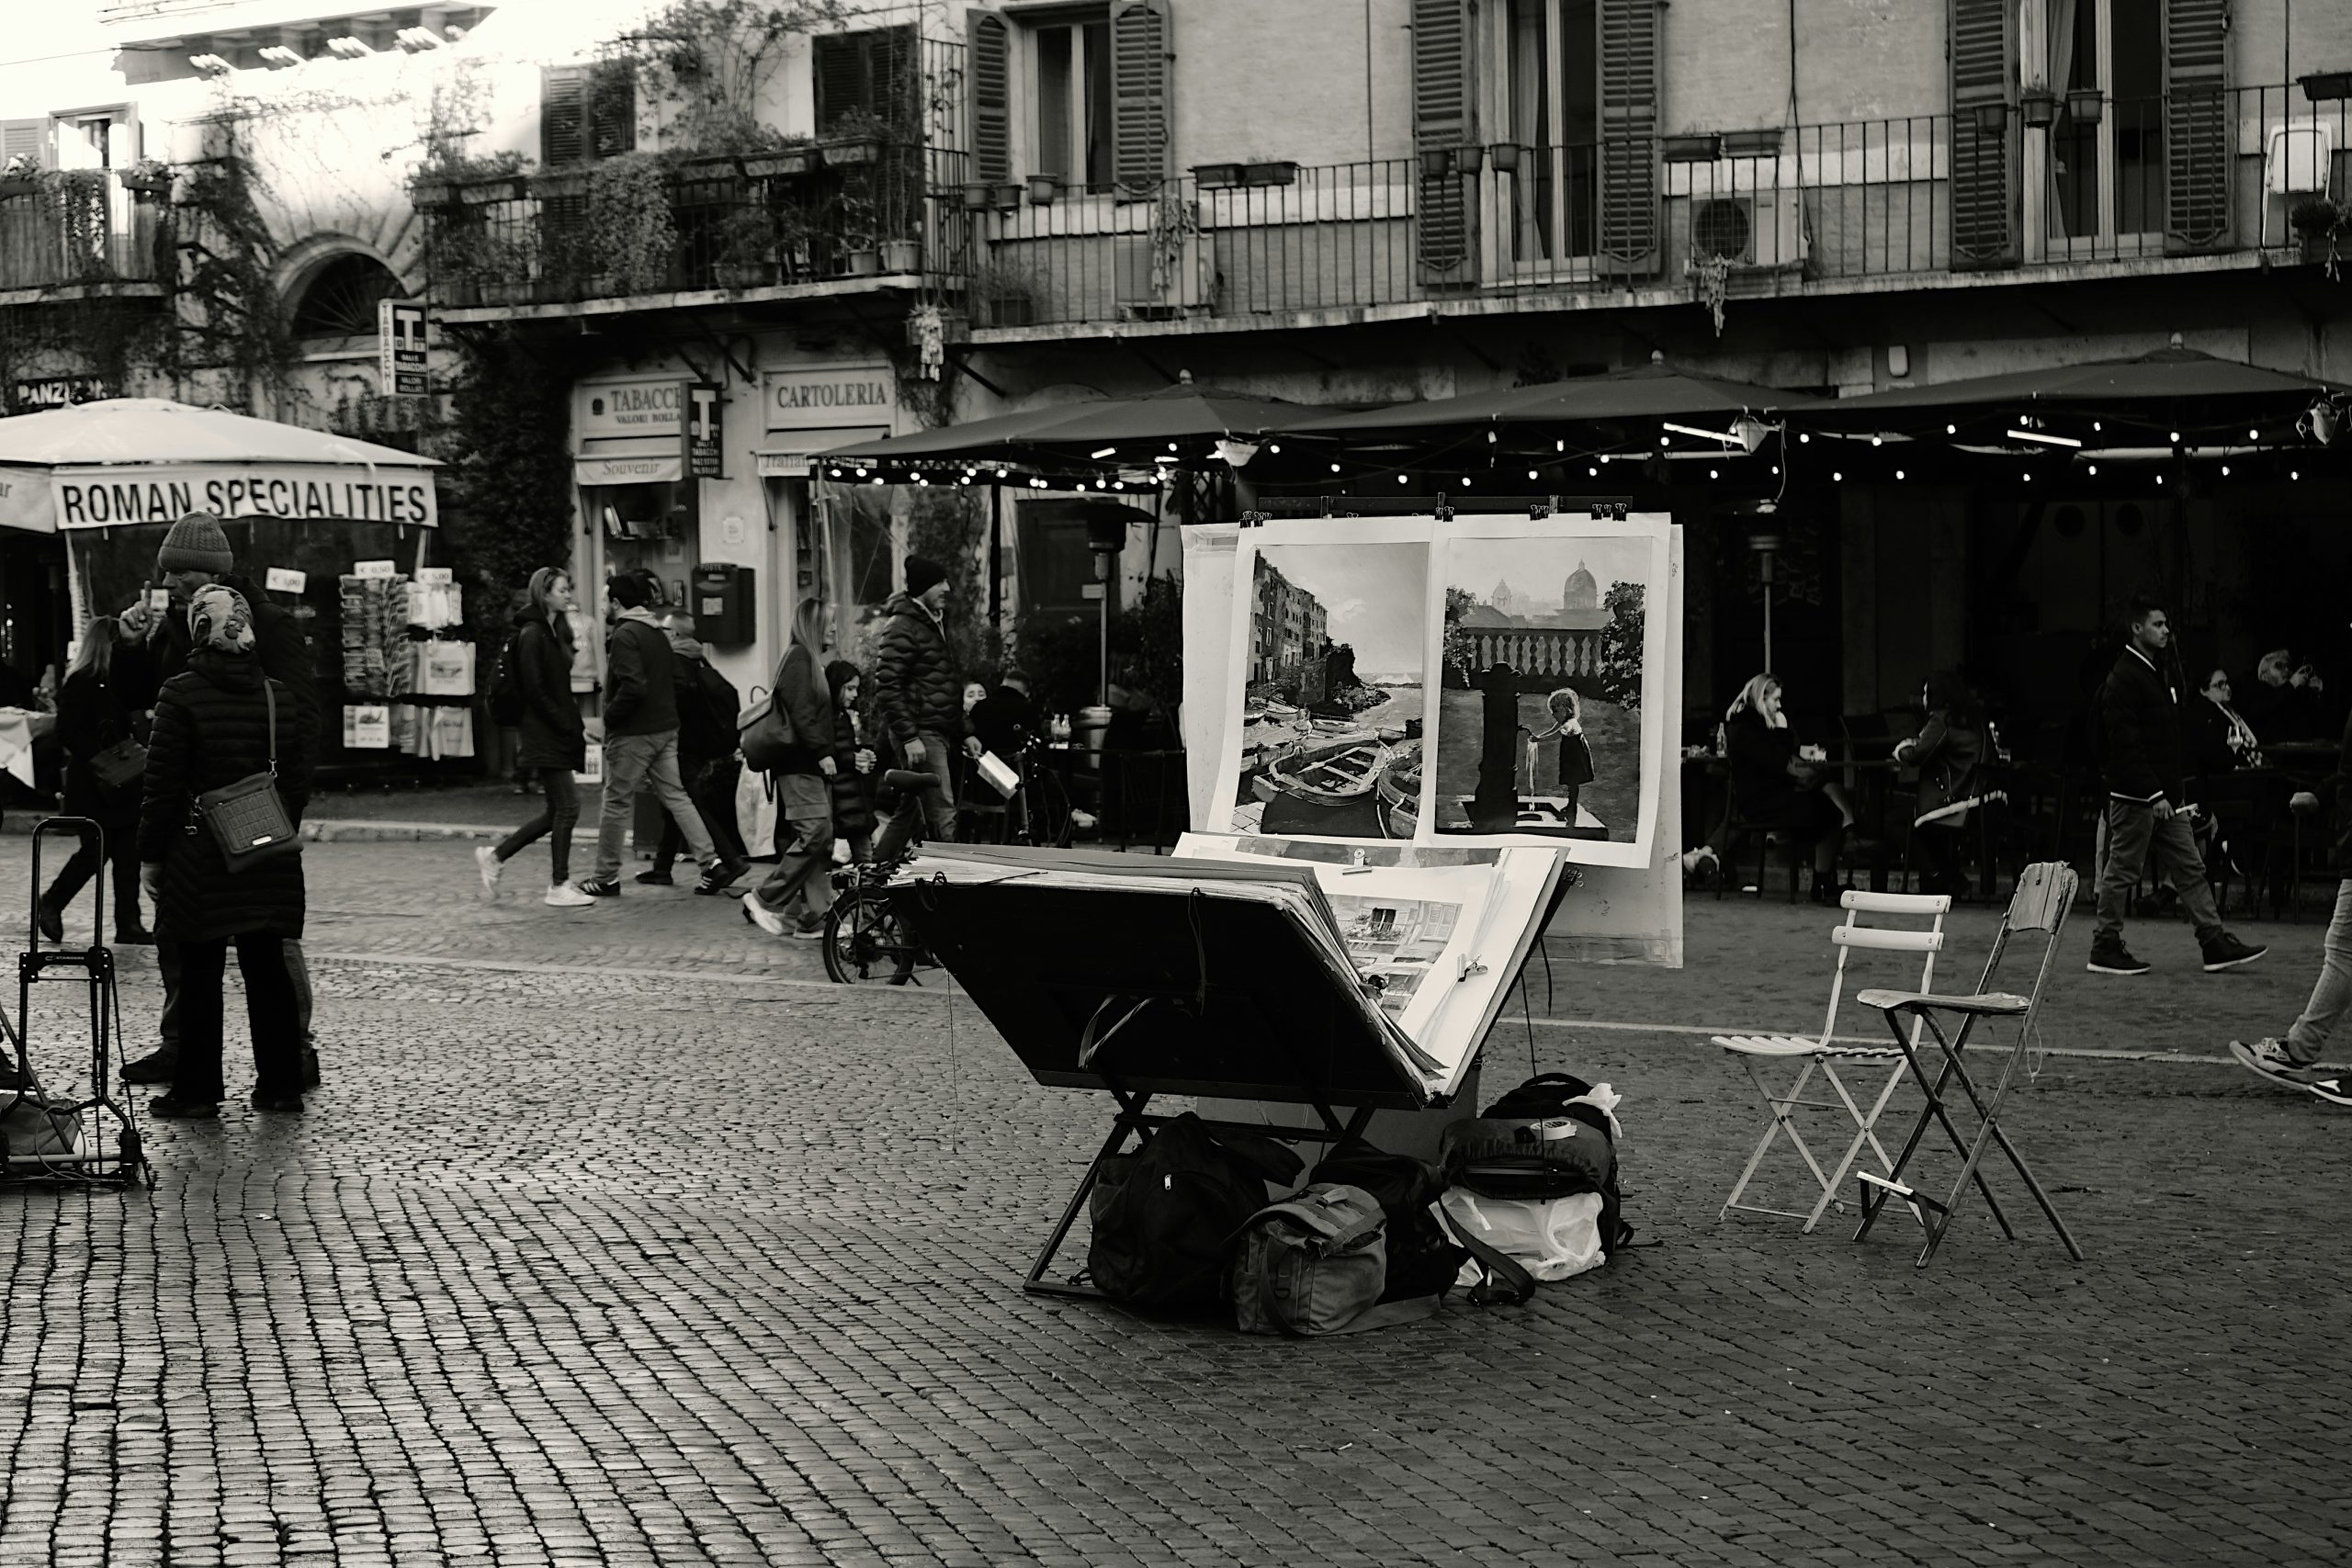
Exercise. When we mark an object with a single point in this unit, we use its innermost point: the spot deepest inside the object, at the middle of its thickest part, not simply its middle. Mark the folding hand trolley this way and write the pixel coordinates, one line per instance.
(46, 1137)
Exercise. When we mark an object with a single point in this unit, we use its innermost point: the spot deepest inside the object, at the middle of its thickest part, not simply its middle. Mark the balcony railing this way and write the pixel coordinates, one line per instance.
(61, 229)
(2070, 179)
(840, 210)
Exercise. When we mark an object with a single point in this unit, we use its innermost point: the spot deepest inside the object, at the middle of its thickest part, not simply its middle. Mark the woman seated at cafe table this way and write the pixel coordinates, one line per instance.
(1775, 785)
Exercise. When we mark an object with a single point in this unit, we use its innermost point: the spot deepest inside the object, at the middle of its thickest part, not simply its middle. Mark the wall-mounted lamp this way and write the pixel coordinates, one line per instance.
(1992, 119)
(2039, 110)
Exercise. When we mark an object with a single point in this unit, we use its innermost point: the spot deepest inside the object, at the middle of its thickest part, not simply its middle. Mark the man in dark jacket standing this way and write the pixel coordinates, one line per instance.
(2290, 1061)
(2146, 763)
(641, 739)
(195, 553)
(920, 703)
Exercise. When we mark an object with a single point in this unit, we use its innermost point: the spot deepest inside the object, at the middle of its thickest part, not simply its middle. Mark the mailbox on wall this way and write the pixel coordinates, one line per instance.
(724, 609)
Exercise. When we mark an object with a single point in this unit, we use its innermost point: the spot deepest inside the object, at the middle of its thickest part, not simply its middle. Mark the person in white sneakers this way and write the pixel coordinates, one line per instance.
(554, 739)
(2291, 1061)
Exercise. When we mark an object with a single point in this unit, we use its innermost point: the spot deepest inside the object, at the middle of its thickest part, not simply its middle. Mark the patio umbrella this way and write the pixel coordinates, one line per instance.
(128, 460)
(2167, 374)
(1656, 390)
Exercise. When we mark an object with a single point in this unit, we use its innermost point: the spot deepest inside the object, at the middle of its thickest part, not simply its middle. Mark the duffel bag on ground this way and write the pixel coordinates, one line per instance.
(1422, 1260)
(1164, 1217)
(1317, 1263)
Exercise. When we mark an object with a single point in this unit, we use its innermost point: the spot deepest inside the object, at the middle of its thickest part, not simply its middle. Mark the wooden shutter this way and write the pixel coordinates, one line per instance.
(877, 72)
(611, 103)
(2196, 131)
(26, 138)
(1139, 70)
(837, 65)
(989, 43)
(1984, 161)
(1629, 151)
(563, 115)
(1441, 119)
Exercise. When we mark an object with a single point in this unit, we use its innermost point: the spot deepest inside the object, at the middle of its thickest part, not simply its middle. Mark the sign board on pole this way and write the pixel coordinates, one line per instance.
(399, 329)
(431, 575)
(286, 579)
(705, 460)
(374, 569)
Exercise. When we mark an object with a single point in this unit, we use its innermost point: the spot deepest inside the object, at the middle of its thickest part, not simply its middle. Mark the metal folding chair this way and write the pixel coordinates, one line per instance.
(1823, 1056)
(2045, 892)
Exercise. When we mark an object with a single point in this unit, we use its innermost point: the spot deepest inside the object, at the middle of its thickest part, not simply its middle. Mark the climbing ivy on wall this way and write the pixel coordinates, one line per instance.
(508, 448)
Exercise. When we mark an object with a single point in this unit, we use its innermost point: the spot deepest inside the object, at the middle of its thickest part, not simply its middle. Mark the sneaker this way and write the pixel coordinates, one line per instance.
(288, 1104)
(159, 1066)
(486, 858)
(2268, 1057)
(2226, 952)
(2336, 1090)
(564, 895)
(2113, 958)
(599, 888)
(656, 879)
(809, 931)
(760, 915)
(137, 936)
(171, 1107)
(721, 877)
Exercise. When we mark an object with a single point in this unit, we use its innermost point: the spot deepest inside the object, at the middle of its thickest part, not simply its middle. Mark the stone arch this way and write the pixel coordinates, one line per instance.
(331, 284)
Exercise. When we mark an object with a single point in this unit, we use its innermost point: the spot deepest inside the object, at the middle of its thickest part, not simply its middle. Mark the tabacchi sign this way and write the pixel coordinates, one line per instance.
(829, 397)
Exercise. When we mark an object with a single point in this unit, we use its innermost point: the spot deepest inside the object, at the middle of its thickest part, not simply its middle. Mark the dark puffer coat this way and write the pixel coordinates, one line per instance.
(553, 734)
(210, 731)
(852, 791)
(915, 687)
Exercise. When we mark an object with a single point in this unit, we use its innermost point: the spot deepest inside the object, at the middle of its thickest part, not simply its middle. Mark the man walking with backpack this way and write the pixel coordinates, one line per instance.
(2146, 759)
(707, 702)
(920, 703)
(641, 740)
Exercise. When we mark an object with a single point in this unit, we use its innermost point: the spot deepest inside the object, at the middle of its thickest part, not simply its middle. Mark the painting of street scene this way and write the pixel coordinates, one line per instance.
(1332, 701)
(1540, 727)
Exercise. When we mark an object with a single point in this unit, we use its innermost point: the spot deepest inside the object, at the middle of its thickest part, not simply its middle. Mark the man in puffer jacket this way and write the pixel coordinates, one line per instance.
(921, 702)
(2290, 1061)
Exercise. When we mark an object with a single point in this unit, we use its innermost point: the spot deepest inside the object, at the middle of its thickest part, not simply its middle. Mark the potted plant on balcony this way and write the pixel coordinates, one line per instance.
(633, 234)
(784, 157)
(855, 138)
(747, 246)
(18, 178)
(149, 177)
(1006, 294)
(1271, 172)
(902, 255)
(2320, 222)
(507, 265)
(860, 231)
(1216, 176)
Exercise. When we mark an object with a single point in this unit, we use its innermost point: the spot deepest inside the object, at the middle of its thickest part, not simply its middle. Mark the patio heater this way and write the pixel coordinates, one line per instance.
(1105, 536)
(1765, 545)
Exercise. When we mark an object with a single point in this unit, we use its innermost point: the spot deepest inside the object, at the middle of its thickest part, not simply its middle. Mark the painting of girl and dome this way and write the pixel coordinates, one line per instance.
(1538, 720)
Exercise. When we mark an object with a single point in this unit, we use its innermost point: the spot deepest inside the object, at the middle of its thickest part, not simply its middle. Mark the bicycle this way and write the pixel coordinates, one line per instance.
(1038, 812)
(863, 937)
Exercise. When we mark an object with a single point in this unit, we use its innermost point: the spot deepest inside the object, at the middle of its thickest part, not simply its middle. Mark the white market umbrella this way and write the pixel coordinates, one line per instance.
(123, 461)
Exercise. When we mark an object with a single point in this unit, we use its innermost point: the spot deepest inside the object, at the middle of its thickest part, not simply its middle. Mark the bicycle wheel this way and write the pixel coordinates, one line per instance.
(863, 941)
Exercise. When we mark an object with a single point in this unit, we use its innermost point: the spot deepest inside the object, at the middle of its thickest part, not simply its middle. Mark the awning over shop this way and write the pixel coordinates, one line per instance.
(800, 460)
(124, 461)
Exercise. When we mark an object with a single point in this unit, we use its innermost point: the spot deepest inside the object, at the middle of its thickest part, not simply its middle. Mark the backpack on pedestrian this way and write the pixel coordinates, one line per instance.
(1165, 1216)
(706, 705)
(506, 683)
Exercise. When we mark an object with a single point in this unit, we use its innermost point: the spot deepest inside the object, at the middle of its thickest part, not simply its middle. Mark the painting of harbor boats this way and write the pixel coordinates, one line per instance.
(1333, 696)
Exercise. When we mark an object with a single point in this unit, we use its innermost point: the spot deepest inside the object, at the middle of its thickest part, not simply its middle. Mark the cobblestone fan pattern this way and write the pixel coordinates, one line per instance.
(577, 1266)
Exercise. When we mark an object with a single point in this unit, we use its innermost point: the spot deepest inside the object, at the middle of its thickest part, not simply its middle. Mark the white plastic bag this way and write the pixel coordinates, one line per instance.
(1554, 1237)
(755, 812)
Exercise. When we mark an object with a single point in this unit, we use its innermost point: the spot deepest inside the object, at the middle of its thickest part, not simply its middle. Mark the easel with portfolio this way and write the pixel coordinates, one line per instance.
(1148, 983)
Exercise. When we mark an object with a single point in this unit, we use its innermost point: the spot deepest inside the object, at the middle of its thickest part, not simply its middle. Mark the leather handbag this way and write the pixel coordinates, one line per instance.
(763, 731)
(248, 818)
(124, 763)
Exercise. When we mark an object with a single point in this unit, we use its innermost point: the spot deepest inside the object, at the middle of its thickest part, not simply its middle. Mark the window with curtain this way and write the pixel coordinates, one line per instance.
(1552, 86)
(2107, 174)
(1072, 135)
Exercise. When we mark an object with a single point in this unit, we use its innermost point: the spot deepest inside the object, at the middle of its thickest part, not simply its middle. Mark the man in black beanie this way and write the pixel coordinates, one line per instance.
(920, 703)
(195, 554)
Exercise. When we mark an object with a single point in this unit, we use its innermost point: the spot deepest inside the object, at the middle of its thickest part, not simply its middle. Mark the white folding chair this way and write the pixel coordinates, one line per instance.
(1823, 1056)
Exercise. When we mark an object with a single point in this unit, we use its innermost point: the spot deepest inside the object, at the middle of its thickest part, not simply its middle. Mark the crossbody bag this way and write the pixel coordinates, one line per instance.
(248, 818)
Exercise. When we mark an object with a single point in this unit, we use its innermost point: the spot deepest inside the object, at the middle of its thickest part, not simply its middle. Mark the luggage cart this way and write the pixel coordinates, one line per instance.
(51, 1138)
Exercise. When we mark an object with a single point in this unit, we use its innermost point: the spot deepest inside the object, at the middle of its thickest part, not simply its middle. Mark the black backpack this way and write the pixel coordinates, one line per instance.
(1165, 1215)
(1425, 1256)
(506, 683)
(1508, 1152)
(707, 709)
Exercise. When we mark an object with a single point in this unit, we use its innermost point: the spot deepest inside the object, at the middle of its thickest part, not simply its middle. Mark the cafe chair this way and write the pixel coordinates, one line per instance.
(1737, 831)
(1874, 1070)
(2045, 893)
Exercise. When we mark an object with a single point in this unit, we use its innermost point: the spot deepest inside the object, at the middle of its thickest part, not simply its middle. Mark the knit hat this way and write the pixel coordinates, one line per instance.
(923, 575)
(219, 618)
(197, 542)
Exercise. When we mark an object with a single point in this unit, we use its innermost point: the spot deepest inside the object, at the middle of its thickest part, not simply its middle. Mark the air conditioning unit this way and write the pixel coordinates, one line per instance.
(1764, 230)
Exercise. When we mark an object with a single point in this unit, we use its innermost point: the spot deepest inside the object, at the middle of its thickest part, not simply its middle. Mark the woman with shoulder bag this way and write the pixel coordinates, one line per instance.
(554, 744)
(104, 759)
(222, 725)
(804, 798)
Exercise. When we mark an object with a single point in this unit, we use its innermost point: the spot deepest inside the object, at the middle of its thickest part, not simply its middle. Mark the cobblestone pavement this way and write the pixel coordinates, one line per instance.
(615, 1239)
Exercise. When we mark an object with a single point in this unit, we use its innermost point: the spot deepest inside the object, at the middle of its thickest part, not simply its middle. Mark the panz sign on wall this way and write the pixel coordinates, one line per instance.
(86, 498)
(59, 393)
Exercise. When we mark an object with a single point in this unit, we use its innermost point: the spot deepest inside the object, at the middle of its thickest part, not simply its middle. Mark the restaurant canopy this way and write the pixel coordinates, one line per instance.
(121, 462)
(1179, 423)
(1657, 390)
